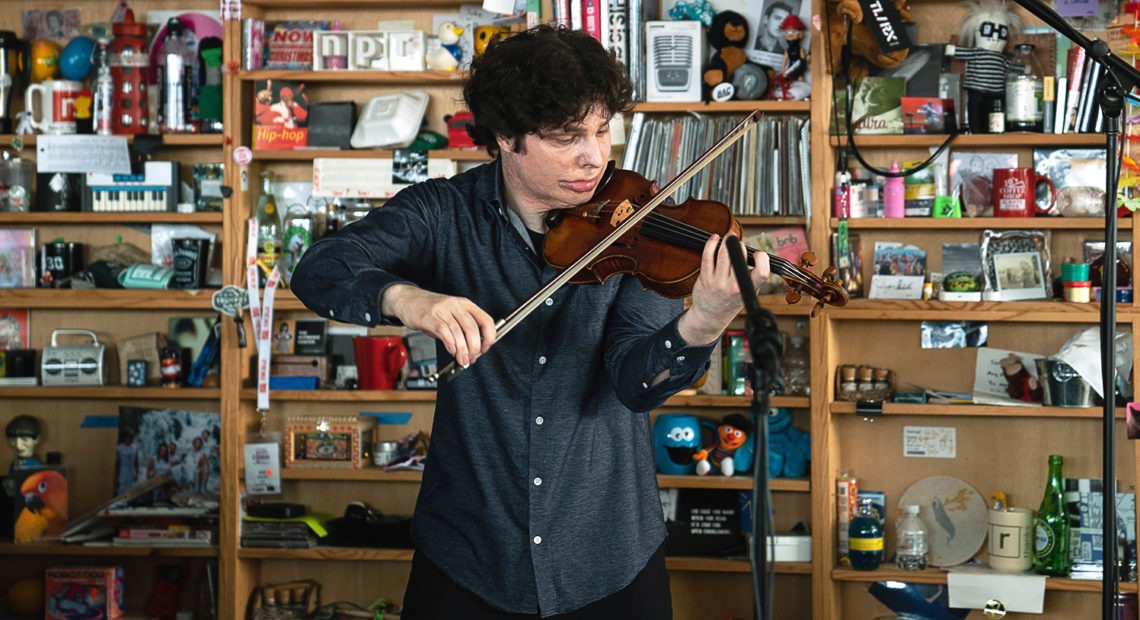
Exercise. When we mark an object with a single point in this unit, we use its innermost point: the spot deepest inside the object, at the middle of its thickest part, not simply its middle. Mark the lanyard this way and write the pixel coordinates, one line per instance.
(261, 312)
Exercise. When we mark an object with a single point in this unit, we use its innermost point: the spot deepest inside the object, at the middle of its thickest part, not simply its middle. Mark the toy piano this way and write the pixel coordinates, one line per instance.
(151, 186)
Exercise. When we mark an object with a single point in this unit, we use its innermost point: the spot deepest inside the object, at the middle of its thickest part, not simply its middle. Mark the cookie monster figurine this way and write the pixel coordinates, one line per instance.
(789, 448)
(676, 438)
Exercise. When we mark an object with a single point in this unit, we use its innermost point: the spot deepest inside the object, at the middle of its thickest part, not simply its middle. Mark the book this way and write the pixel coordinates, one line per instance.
(15, 330)
(310, 337)
(1000, 374)
(253, 43)
(876, 108)
(280, 115)
(17, 257)
(289, 43)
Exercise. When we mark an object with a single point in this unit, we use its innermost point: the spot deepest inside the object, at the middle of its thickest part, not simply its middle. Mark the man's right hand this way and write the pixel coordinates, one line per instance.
(465, 330)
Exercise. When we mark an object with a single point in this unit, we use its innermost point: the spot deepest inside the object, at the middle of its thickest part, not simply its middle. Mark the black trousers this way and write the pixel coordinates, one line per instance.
(432, 595)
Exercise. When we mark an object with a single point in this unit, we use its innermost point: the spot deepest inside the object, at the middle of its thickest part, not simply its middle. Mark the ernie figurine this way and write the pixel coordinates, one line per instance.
(731, 434)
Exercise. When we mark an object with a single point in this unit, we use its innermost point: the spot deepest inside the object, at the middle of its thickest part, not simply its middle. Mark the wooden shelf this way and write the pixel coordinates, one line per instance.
(1004, 140)
(428, 396)
(170, 139)
(993, 411)
(311, 154)
(934, 310)
(377, 474)
(106, 299)
(798, 107)
(9, 549)
(86, 218)
(423, 78)
(732, 565)
(110, 393)
(351, 4)
(979, 223)
(938, 576)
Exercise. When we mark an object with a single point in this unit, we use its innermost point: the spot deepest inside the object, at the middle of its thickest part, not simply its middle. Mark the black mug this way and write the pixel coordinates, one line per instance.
(20, 362)
(59, 260)
(191, 257)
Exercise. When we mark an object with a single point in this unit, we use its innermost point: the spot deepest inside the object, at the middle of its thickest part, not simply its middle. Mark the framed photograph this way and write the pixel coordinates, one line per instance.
(1019, 276)
(17, 258)
(153, 442)
(15, 328)
(996, 243)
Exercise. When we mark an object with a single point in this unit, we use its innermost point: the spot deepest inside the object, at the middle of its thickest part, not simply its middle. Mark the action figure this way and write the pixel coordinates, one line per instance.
(23, 434)
(790, 83)
(984, 32)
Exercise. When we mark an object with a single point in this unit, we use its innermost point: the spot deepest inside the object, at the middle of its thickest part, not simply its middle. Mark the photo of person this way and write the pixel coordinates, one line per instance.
(1019, 275)
(59, 25)
(185, 444)
(770, 44)
(285, 104)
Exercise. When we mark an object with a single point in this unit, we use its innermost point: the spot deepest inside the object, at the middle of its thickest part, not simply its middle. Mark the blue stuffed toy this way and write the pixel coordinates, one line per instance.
(789, 448)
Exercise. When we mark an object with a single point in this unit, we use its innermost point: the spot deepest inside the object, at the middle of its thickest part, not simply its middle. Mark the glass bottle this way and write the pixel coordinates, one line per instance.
(268, 229)
(176, 62)
(997, 117)
(795, 368)
(1051, 547)
(865, 537)
(104, 88)
(848, 388)
(911, 547)
(299, 228)
(1024, 91)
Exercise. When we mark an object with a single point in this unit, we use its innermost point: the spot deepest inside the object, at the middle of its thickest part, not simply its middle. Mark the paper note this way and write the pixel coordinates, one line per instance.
(1077, 8)
(80, 154)
(932, 442)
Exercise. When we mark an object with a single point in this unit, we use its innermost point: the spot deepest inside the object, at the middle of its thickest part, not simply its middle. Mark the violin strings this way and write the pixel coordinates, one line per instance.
(694, 238)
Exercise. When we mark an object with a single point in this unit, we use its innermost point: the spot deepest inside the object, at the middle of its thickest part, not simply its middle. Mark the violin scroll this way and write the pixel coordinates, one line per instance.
(800, 279)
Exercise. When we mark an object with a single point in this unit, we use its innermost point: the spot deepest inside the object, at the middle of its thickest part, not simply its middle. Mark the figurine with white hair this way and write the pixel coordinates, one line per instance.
(982, 40)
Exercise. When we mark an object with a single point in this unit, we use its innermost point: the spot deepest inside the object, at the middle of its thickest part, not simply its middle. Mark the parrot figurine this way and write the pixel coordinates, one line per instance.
(45, 507)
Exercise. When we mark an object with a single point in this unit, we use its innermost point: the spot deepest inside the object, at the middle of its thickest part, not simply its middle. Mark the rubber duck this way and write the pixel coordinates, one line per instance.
(447, 57)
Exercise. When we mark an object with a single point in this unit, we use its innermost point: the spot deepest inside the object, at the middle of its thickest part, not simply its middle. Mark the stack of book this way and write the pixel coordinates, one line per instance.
(277, 535)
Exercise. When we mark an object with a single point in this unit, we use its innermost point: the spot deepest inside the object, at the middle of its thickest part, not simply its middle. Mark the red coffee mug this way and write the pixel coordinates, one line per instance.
(379, 360)
(1015, 192)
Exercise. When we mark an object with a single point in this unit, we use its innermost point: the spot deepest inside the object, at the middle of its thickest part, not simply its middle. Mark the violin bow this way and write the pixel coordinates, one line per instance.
(504, 325)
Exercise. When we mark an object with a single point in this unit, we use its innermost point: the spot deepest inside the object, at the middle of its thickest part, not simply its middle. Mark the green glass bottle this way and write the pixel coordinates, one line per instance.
(1052, 525)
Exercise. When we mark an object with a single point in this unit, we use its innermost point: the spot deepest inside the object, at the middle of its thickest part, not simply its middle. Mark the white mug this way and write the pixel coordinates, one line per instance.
(57, 105)
(1011, 535)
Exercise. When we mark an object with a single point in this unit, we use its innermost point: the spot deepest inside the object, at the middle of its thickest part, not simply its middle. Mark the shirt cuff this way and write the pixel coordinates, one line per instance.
(684, 361)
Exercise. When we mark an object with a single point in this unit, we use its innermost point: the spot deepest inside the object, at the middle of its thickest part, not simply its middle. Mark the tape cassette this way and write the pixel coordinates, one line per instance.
(74, 364)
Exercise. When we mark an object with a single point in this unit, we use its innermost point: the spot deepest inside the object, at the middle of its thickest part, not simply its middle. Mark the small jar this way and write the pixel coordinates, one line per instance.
(866, 380)
(1079, 292)
(882, 379)
(384, 453)
(847, 386)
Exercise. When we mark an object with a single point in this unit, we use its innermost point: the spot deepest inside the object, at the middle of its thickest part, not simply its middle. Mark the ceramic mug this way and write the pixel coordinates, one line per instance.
(57, 113)
(379, 361)
(1015, 192)
(1011, 537)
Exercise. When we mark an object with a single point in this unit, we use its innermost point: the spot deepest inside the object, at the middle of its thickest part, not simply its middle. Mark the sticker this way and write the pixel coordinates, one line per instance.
(262, 468)
(243, 155)
(932, 442)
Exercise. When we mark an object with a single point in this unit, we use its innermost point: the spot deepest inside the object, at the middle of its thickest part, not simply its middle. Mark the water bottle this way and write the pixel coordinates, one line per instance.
(176, 78)
(865, 538)
(911, 548)
(104, 97)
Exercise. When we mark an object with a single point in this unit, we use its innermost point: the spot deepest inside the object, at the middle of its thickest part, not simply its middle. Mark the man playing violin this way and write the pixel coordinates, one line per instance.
(539, 498)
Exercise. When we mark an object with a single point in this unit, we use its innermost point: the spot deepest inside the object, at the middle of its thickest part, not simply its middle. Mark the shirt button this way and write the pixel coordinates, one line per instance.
(538, 420)
(538, 482)
(332, 313)
(367, 316)
(645, 385)
(550, 301)
(542, 359)
(680, 358)
(538, 540)
(668, 344)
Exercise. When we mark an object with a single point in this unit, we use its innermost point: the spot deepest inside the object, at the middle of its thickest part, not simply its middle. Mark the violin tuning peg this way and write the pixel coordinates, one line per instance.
(829, 273)
(807, 259)
(815, 309)
(792, 296)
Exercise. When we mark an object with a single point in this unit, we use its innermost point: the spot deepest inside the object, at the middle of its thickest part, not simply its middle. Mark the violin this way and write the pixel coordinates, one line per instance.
(664, 250)
(598, 239)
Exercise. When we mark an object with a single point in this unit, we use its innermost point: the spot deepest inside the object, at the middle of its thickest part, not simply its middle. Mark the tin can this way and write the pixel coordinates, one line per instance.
(384, 453)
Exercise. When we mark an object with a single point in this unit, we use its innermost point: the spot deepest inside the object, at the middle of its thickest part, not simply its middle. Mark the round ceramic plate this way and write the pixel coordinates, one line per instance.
(955, 516)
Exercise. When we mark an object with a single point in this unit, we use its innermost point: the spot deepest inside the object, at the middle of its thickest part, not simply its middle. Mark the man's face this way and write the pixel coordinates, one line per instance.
(560, 168)
(774, 20)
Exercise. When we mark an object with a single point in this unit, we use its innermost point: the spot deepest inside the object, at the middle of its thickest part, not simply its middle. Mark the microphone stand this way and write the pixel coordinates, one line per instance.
(766, 347)
(1120, 78)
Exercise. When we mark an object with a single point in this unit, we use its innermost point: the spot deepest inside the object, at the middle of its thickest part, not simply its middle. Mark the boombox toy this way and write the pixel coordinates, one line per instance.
(74, 364)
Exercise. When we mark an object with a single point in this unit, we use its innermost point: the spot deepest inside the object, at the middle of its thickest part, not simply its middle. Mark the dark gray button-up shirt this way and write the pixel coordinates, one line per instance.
(540, 492)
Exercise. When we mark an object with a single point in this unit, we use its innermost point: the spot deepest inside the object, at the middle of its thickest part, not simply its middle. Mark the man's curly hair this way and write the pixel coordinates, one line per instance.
(540, 80)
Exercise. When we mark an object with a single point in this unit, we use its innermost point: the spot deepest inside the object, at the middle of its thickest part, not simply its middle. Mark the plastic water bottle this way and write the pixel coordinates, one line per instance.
(911, 547)
(177, 78)
(894, 194)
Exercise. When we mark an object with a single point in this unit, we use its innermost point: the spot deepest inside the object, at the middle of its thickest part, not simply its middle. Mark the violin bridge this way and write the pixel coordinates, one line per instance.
(621, 213)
